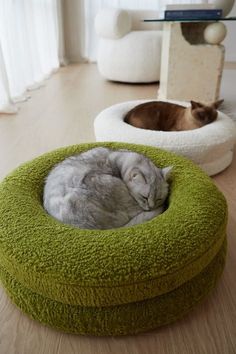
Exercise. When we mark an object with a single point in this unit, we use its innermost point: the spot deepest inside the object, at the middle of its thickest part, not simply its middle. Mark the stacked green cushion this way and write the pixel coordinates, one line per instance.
(109, 282)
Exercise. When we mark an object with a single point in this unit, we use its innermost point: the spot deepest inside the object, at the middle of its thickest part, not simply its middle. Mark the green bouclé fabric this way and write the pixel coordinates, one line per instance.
(108, 278)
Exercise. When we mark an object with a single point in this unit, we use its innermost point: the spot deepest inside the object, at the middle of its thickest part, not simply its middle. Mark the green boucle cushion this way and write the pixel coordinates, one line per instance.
(99, 275)
(122, 319)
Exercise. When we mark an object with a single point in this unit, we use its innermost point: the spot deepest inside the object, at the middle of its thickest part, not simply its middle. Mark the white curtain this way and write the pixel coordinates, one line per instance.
(93, 6)
(29, 47)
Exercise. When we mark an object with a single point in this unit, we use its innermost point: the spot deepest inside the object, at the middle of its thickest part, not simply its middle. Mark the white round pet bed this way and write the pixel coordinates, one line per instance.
(211, 146)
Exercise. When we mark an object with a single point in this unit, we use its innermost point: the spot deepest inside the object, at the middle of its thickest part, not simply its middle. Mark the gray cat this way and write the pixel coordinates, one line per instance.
(104, 189)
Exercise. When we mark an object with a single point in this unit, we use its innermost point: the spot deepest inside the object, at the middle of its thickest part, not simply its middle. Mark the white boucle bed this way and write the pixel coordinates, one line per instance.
(211, 146)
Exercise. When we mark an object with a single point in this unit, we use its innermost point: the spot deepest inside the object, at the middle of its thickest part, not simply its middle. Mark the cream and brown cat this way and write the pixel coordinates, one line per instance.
(166, 116)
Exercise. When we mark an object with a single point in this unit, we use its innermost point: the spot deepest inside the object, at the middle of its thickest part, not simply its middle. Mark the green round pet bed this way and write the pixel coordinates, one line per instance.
(118, 281)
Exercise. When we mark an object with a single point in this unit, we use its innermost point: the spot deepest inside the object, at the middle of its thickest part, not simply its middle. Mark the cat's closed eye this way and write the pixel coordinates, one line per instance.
(144, 198)
(202, 115)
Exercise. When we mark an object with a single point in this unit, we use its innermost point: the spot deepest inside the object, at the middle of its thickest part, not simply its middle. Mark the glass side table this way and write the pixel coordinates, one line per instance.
(233, 18)
(191, 69)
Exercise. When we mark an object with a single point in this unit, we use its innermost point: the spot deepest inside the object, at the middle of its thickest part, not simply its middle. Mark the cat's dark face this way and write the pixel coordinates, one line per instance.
(205, 114)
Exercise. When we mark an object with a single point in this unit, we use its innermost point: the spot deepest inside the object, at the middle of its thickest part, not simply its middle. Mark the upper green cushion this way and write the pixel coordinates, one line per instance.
(109, 267)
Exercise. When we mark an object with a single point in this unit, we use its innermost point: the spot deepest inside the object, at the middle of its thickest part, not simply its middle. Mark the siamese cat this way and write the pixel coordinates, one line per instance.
(166, 116)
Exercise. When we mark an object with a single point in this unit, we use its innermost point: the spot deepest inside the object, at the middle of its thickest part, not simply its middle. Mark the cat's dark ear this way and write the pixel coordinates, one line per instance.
(166, 172)
(217, 104)
(196, 105)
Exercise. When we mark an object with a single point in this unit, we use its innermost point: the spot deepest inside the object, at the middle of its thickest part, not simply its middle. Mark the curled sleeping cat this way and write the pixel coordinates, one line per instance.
(104, 189)
(166, 116)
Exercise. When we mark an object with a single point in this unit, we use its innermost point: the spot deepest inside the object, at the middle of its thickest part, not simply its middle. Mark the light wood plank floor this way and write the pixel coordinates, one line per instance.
(62, 113)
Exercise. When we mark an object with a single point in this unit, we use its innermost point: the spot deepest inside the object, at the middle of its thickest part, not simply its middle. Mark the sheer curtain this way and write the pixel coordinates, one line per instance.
(29, 47)
(93, 6)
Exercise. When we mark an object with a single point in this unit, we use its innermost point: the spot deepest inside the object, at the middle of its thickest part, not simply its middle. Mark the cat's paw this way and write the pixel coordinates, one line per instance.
(159, 210)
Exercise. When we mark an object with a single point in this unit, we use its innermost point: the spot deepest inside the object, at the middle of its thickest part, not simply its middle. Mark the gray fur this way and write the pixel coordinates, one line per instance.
(104, 189)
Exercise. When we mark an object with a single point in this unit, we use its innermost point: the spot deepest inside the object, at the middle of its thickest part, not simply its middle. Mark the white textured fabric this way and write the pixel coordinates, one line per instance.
(112, 23)
(211, 146)
(136, 57)
(133, 57)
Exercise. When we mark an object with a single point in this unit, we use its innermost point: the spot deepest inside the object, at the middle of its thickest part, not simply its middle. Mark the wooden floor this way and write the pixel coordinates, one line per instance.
(62, 113)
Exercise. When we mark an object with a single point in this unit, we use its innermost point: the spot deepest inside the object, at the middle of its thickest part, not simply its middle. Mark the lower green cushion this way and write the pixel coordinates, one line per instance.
(122, 319)
(97, 270)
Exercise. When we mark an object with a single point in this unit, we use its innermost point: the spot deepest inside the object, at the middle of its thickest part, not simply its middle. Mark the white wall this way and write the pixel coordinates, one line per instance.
(230, 40)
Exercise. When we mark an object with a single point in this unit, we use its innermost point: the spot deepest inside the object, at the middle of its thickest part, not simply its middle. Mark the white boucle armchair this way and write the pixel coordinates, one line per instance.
(129, 49)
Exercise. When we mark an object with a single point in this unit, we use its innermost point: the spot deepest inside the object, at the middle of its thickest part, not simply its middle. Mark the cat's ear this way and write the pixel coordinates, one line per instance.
(136, 176)
(166, 172)
(217, 104)
(196, 105)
